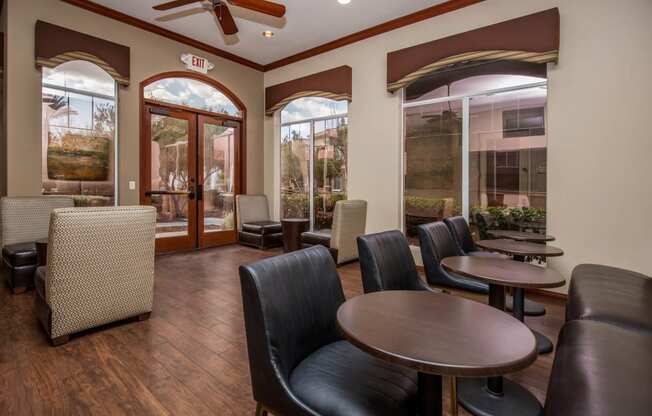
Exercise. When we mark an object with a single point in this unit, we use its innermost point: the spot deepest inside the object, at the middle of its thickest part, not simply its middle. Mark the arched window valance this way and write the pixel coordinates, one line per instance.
(532, 39)
(334, 84)
(56, 45)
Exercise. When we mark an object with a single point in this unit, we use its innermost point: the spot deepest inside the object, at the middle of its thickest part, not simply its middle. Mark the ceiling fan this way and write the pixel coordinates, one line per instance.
(223, 14)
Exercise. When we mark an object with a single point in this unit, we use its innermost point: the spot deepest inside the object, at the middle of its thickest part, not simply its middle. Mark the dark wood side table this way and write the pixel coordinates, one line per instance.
(437, 335)
(292, 229)
(42, 251)
(496, 396)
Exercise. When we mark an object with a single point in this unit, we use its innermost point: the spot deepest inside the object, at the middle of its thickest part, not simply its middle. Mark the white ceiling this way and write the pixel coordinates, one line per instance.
(307, 23)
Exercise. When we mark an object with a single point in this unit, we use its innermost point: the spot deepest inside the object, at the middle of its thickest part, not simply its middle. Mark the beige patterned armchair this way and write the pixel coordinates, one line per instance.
(23, 221)
(349, 222)
(100, 269)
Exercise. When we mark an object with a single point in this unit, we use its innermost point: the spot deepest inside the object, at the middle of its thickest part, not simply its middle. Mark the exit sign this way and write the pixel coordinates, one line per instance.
(196, 63)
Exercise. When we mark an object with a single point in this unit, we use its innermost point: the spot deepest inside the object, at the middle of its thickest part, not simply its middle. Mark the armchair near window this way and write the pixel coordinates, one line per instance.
(100, 269)
(255, 227)
(349, 222)
(461, 232)
(22, 222)
(386, 263)
(300, 364)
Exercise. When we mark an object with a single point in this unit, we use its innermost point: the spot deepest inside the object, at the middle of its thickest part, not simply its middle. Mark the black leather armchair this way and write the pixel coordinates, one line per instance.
(299, 363)
(386, 263)
(461, 232)
(437, 243)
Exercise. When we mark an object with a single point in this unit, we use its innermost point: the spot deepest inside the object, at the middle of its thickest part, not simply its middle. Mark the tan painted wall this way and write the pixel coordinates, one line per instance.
(599, 139)
(150, 54)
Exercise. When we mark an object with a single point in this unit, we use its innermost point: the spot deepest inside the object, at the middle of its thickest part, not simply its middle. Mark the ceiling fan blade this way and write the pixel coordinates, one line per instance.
(226, 19)
(172, 4)
(262, 6)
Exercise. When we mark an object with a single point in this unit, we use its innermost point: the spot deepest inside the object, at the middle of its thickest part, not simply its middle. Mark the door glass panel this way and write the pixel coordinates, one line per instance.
(329, 164)
(219, 169)
(295, 170)
(433, 164)
(507, 161)
(169, 153)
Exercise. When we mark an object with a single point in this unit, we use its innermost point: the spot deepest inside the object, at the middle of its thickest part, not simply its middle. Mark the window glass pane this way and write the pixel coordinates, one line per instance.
(329, 161)
(80, 76)
(78, 138)
(433, 164)
(508, 157)
(219, 171)
(312, 107)
(295, 174)
(191, 93)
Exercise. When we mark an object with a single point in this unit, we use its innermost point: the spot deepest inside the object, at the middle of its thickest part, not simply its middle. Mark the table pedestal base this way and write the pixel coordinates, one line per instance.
(430, 395)
(474, 395)
(544, 345)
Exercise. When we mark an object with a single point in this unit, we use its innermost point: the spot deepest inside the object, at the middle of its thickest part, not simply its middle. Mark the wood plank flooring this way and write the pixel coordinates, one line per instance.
(188, 359)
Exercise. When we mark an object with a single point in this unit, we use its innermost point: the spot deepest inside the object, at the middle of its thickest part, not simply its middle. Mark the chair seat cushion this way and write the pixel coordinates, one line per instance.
(321, 237)
(262, 227)
(21, 254)
(612, 295)
(600, 370)
(339, 379)
(488, 254)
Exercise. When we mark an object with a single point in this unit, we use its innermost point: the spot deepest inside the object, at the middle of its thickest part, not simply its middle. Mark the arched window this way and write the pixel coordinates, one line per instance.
(79, 140)
(313, 168)
(191, 93)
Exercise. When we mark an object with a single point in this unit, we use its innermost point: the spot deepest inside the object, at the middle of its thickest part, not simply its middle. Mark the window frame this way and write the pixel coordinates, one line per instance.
(311, 162)
(116, 145)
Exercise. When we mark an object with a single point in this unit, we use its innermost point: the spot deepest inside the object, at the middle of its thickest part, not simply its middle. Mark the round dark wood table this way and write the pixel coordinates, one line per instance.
(521, 236)
(498, 396)
(292, 229)
(42, 251)
(520, 249)
(437, 335)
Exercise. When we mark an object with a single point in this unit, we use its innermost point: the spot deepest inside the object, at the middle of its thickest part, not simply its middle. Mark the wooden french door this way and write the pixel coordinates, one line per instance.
(190, 172)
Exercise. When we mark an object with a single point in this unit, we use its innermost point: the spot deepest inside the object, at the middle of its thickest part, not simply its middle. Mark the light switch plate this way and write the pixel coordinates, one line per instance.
(132, 185)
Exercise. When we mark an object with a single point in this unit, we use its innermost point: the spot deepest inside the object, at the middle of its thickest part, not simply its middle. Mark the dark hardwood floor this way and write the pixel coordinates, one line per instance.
(188, 359)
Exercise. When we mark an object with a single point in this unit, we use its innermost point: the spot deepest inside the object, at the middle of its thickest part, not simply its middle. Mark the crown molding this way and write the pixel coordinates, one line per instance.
(394, 24)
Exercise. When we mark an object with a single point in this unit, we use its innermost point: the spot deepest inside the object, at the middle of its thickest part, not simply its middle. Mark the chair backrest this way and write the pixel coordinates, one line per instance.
(27, 219)
(349, 222)
(290, 305)
(461, 232)
(100, 266)
(387, 263)
(436, 243)
(251, 208)
(484, 221)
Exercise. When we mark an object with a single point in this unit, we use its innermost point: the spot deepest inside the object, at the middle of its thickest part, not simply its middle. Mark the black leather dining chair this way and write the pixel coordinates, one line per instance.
(461, 233)
(386, 263)
(437, 242)
(299, 362)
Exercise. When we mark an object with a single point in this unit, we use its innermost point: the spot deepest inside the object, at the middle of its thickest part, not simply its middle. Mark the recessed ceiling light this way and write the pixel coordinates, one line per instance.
(344, 1)
(268, 33)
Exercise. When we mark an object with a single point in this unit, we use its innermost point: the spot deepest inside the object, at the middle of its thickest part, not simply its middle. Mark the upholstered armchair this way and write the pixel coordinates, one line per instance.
(100, 269)
(461, 233)
(300, 364)
(255, 227)
(349, 222)
(22, 222)
(386, 263)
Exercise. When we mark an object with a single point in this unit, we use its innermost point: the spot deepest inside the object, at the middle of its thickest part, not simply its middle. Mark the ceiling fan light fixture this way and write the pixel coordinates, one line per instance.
(268, 34)
(344, 1)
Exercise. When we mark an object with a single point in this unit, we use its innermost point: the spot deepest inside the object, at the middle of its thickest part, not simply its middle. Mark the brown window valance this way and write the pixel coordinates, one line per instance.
(531, 39)
(56, 45)
(334, 84)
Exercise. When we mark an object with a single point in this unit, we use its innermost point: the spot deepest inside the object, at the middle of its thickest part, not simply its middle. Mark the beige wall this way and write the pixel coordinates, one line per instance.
(150, 54)
(599, 140)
